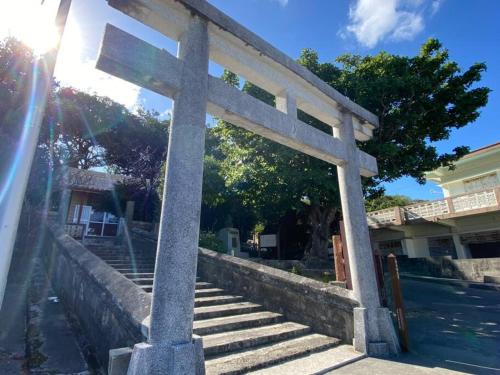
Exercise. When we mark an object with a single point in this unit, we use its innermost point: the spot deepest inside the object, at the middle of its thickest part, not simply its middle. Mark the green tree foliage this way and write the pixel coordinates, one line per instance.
(16, 70)
(419, 100)
(74, 120)
(79, 130)
(221, 207)
(386, 201)
(274, 179)
(136, 146)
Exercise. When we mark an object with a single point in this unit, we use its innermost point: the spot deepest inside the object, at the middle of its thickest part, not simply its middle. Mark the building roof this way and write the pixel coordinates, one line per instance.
(483, 153)
(87, 180)
(482, 150)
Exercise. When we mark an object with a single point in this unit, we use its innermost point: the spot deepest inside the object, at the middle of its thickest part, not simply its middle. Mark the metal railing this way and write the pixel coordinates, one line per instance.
(428, 210)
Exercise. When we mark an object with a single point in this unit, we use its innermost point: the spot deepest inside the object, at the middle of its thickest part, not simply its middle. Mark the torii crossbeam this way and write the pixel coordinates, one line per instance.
(205, 33)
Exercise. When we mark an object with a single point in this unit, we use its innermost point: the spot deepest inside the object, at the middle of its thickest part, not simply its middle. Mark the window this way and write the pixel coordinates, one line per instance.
(442, 246)
(390, 247)
(481, 183)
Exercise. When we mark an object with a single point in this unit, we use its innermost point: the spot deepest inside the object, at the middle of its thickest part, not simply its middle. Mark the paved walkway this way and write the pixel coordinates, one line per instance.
(453, 329)
(13, 318)
(35, 336)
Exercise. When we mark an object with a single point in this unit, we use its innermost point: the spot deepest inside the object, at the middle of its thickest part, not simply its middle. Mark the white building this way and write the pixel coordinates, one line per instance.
(464, 224)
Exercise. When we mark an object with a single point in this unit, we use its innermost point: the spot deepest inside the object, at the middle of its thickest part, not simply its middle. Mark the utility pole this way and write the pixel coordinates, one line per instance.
(12, 195)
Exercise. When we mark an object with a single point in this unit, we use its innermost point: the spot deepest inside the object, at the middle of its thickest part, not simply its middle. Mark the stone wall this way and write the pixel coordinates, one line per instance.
(109, 307)
(327, 309)
(464, 269)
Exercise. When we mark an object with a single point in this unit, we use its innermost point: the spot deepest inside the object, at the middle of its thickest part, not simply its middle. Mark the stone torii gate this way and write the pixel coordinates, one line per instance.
(204, 33)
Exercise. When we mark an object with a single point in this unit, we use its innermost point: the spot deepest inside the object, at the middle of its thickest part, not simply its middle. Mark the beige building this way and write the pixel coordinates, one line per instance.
(464, 224)
(82, 193)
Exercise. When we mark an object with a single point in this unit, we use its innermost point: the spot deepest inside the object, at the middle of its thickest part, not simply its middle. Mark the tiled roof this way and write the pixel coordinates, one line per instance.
(83, 179)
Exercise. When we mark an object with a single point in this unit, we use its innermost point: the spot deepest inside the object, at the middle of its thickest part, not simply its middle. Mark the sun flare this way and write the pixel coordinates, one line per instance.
(30, 22)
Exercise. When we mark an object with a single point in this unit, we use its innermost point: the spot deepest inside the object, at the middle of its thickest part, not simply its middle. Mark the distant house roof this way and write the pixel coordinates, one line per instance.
(87, 180)
(490, 154)
(482, 150)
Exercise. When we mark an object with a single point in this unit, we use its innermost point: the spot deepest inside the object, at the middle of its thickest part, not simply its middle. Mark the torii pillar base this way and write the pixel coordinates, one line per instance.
(374, 332)
(168, 359)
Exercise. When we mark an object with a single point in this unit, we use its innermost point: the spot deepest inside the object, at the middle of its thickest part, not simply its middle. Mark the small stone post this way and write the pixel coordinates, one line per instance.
(170, 348)
(374, 332)
(64, 203)
(129, 212)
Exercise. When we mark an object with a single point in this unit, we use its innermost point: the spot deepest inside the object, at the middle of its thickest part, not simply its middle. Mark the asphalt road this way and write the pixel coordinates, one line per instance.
(454, 327)
(453, 330)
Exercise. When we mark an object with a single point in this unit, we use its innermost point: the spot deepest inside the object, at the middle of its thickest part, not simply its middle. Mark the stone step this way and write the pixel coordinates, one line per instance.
(107, 252)
(125, 257)
(205, 289)
(216, 300)
(208, 312)
(203, 285)
(201, 292)
(315, 363)
(117, 258)
(257, 358)
(132, 276)
(121, 264)
(235, 322)
(129, 262)
(492, 278)
(134, 270)
(209, 292)
(247, 338)
(139, 267)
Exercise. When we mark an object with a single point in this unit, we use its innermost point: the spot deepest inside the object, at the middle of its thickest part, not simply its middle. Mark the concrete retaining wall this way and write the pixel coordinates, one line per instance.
(327, 309)
(110, 308)
(464, 269)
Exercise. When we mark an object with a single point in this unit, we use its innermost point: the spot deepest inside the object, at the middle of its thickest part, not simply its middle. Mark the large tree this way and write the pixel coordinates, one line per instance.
(16, 72)
(79, 130)
(137, 147)
(419, 100)
(73, 123)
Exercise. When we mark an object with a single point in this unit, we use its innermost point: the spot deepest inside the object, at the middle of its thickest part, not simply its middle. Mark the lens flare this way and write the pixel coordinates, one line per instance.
(30, 22)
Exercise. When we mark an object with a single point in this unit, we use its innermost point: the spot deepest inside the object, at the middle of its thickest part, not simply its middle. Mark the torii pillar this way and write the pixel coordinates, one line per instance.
(373, 328)
(171, 348)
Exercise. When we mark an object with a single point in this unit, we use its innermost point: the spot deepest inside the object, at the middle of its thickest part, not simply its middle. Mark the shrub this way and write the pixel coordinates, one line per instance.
(210, 241)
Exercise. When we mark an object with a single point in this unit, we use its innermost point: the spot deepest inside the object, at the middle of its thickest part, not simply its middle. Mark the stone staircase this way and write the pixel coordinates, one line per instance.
(240, 336)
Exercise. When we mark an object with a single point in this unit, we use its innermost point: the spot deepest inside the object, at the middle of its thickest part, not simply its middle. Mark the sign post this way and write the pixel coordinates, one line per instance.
(398, 301)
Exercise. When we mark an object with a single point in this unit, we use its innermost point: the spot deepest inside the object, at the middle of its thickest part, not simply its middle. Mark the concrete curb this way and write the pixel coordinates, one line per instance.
(454, 282)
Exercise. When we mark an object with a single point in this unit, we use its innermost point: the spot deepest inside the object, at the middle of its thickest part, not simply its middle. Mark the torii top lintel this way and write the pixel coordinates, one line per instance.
(153, 12)
(244, 53)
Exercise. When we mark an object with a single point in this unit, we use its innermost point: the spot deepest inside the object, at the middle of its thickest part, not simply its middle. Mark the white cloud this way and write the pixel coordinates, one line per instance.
(408, 26)
(372, 21)
(84, 76)
(166, 114)
(435, 6)
(79, 71)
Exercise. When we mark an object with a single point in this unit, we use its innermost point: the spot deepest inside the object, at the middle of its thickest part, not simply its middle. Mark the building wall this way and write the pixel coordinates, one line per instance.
(454, 237)
(77, 197)
(420, 240)
(81, 198)
(458, 181)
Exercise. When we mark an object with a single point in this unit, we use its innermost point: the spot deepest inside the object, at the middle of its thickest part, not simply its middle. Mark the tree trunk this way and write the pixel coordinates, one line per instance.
(320, 220)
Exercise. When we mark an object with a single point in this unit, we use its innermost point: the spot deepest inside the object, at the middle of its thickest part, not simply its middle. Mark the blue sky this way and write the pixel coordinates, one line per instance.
(469, 29)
